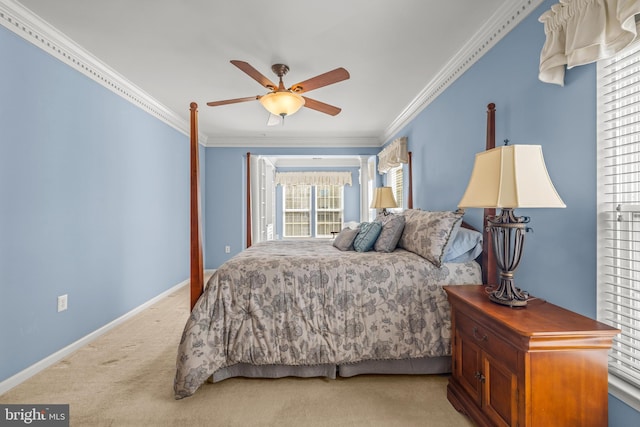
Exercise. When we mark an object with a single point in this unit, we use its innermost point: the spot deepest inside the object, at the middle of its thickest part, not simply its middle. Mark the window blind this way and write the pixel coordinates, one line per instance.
(619, 208)
(398, 189)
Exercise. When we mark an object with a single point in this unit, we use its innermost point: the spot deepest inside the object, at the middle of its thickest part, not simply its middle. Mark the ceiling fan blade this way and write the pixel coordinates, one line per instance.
(330, 77)
(232, 101)
(254, 74)
(321, 106)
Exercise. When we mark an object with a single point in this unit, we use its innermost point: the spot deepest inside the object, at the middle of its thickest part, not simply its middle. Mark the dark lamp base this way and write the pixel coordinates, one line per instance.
(506, 301)
(507, 232)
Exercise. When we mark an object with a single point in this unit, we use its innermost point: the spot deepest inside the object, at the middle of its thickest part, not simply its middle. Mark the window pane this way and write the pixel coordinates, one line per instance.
(297, 196)
(328, 209)
(297, 211)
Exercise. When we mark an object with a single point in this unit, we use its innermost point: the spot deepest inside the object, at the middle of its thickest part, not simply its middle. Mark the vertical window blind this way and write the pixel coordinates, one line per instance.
(395, 180)
(618, 174)
(398, 188)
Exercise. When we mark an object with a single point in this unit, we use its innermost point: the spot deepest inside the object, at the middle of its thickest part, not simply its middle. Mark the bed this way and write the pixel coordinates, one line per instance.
(331, 308)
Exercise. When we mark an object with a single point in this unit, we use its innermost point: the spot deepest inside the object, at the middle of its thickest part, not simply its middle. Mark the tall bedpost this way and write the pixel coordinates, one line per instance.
(197, 268)
(248, 215)
(410, 190)
(489, 266)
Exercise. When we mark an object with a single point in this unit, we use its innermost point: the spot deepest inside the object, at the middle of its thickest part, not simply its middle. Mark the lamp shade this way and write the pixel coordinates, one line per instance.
(282, 103)
(512, 176)
(383, 198)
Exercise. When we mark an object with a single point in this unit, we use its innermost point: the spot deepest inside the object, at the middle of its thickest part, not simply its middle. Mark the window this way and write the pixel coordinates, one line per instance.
(395, 180)
(328, 209)
(323, 216)
(297, 211)
(619, 216)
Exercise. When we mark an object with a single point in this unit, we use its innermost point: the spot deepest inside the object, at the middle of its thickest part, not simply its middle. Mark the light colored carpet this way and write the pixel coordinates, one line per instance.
(125, 378)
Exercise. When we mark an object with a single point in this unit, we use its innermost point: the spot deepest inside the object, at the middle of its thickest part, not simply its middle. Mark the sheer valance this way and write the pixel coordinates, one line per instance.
(313, 178)
(583, 31)
(393, 155)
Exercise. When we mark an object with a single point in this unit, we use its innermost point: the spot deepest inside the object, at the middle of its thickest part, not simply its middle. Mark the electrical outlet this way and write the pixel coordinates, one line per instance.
(227, 249)
(62, 303)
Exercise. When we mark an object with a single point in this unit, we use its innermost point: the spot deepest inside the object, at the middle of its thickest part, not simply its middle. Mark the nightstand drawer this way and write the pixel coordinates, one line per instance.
(486, 339)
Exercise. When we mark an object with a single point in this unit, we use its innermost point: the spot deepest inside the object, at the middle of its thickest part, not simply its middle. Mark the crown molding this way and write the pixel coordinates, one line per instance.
(498, 26)
(33, 29)
(292, 141)
(30, 27)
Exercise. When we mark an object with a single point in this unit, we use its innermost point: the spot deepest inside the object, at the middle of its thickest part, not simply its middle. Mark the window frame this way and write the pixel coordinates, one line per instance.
(318, 210)
(313, 211)
(616, 233)
(285, 210)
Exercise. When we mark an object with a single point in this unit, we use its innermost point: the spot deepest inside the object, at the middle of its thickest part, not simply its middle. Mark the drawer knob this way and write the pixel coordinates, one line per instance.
(477, 336)
(480, 377)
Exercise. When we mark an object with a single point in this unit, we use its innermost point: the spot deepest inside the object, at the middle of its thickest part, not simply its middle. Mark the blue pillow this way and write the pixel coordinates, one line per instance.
(366, 238)
(466, 246)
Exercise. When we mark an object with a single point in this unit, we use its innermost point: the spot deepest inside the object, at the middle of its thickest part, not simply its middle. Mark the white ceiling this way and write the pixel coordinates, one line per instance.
(178, 51)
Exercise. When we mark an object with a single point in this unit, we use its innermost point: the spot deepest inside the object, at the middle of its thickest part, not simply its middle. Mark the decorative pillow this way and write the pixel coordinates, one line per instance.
(428, 233)
(466, 246)
(390, 234)
(344, 239)
(366, 238)
(383, 219)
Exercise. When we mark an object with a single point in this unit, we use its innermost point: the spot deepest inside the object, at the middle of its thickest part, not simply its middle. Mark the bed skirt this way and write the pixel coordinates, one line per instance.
(416, 366)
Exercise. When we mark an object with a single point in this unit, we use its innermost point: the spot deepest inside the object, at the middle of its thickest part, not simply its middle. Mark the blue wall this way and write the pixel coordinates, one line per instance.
(93, 204)
(94, 191)
(560, 254)
(447, 134)
(226, 181)
(559, 261)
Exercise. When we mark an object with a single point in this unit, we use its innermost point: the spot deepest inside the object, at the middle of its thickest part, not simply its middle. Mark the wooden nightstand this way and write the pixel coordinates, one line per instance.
(536, 366)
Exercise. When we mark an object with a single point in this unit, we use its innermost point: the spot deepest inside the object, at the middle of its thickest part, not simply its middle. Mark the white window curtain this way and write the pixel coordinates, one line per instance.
(313, 178)
(583, 31)
(393, 155)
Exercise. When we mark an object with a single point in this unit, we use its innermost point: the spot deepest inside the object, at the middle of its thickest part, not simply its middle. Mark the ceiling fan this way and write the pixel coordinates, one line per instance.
(284, 102)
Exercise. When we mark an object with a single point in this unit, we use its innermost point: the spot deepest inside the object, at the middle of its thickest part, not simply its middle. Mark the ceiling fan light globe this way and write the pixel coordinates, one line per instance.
(282, 103)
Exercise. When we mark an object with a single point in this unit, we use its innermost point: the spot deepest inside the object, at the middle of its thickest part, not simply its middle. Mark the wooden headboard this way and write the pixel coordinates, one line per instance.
(489, 268)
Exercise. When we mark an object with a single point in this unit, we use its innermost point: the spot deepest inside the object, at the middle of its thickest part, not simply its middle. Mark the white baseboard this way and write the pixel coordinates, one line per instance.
(27, 373)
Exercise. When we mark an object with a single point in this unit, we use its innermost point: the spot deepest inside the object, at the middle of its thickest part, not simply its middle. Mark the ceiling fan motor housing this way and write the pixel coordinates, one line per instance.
(280, 69)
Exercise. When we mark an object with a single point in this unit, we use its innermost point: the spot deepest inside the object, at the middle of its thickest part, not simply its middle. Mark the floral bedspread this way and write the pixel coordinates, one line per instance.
(305, 303)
